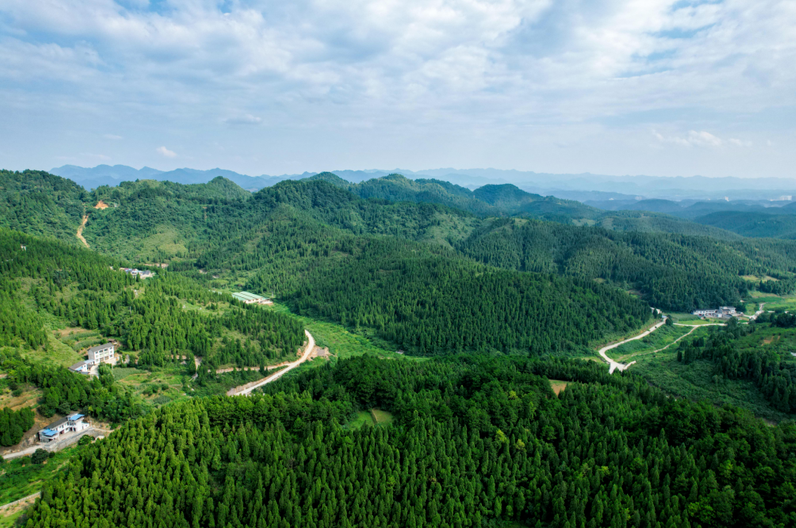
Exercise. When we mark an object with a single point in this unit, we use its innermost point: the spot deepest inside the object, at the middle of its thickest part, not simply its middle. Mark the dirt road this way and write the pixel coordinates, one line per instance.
(80, 230)
(245, 390)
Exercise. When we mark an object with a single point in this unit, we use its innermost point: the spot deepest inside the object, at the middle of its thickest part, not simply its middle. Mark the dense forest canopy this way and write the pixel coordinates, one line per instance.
(476, 435)
(89, 290)
(474, 440)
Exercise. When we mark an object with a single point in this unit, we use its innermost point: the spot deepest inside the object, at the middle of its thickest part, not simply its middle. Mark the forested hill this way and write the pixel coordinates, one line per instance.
(509, 200)
(88, 290)
(270, 236)
(475, 441)
(673, 272)
(40, 203)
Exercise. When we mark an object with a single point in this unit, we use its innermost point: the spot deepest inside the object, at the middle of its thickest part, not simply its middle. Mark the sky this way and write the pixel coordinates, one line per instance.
(654, 87)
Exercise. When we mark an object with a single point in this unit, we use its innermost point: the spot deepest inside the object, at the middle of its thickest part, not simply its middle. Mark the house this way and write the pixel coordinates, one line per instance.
(144, 274)
(251, 298)
(71, 424)
(724, 312)
(102, 354)
(705, 313)
(82, 367)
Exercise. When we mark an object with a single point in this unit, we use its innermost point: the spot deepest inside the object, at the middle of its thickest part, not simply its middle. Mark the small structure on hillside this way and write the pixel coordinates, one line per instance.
(96, 355)
(102, 354)
(81, 367)
(251, 298)
(144, 274)
(724, 312)
(70, 424)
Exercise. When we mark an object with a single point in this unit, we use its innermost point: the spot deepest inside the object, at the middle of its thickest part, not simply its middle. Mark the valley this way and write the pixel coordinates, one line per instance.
(417, 328)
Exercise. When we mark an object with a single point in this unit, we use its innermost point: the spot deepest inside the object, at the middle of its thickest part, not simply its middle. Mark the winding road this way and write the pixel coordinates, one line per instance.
(615, 365)
(245, 390)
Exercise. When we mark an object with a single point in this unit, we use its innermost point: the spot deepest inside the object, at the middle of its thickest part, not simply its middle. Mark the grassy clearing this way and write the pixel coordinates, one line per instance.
(223, 382)
(362, 419)
(558, 386)
(781, 303)
(21, 477)
(343, 343)
(119, 373)
(381, 417)
(156, 387)
(661, 338)
(697, 381)
(9, 517)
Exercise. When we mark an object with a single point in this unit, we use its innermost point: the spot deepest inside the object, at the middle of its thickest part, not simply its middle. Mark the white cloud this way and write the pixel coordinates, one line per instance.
(484, 67)
(113, 137)
(247, 119)
(163, 151)
(692, 139)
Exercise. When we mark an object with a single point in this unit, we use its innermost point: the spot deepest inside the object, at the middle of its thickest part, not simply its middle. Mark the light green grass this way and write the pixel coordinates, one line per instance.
(8, 521)
(21, 477)
(58, 353)
(341, 342)
(381, 417)
(698, 381)
(660, 338)
(119, 373)
(139, 381)
(362, 419)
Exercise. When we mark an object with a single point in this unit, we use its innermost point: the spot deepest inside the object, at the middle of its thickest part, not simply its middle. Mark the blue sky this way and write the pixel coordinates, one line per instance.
(654, 87)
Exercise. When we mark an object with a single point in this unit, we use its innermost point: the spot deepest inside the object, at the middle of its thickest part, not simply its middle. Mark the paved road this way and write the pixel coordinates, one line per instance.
(758, 312)
(59, 444)
(245, 390)
(615, 365)
(29, 498)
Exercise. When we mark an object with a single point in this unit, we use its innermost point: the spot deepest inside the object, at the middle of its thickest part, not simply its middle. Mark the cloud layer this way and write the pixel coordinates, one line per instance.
(564, 85)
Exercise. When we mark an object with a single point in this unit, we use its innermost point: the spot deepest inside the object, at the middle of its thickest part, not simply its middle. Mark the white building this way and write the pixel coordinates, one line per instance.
(102, 354)
(724, 312)
(71, 424)
(82, 367)
(96, 355)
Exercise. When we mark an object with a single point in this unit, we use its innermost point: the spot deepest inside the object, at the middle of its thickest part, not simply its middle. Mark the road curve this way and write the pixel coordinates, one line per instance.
(615, 365)
(245, 390)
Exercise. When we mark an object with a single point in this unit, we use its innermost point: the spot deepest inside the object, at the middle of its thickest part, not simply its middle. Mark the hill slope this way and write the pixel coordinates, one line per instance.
(41, 204)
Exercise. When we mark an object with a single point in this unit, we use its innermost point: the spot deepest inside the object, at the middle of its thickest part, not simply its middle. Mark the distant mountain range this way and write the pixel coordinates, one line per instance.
(593, 188)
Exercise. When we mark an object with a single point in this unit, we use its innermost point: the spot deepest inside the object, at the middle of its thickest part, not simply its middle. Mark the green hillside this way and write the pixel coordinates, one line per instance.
(42, 204)
(472, 442)
(751, 224)
(674, 272)
(276, 237)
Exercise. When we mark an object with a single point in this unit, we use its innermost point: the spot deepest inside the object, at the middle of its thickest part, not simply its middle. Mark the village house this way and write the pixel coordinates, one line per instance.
(144, 274)
(724, 312)
(251, 298)
(73, 423)
(96, 355)
(102, 354)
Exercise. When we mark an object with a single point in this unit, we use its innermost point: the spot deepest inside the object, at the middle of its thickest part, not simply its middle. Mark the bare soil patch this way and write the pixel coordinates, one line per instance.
(558, 386)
